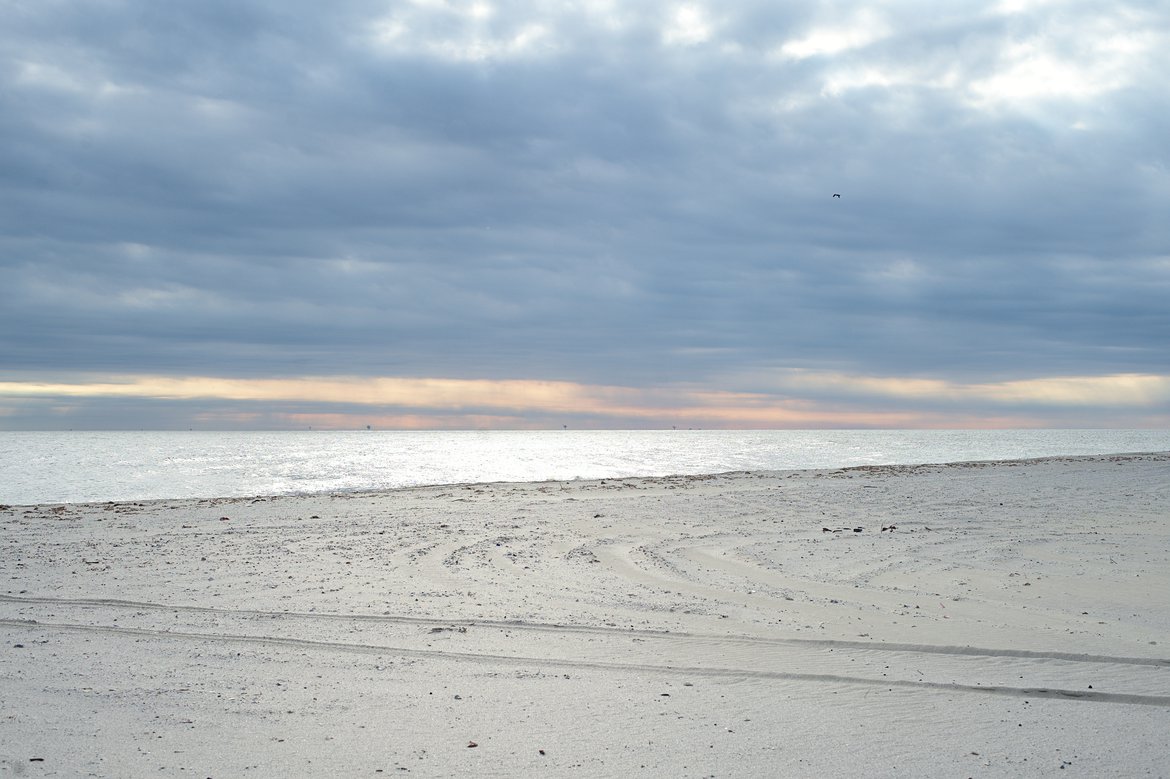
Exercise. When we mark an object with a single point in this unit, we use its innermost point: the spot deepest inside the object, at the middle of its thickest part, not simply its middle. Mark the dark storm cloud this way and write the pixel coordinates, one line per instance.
(591, 193)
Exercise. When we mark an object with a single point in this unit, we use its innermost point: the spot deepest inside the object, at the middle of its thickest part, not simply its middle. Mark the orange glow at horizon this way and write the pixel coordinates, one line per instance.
(798, 399)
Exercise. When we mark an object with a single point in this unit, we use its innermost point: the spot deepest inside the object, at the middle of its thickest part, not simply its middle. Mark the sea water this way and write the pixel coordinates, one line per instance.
(55, 467)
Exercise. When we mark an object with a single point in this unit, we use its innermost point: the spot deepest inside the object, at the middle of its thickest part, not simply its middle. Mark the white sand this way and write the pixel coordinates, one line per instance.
(1016, 623)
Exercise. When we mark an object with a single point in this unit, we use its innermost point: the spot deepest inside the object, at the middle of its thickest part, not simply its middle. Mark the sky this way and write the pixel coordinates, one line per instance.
(283, 214)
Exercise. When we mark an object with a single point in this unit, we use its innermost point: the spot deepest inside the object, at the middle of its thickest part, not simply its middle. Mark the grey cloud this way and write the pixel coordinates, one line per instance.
(235, 188)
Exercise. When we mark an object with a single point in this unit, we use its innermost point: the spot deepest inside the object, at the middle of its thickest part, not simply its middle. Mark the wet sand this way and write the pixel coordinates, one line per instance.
(987, 619)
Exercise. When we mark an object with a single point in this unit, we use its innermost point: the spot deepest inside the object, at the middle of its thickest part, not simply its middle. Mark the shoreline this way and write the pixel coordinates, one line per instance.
(730, 624)
(361, 491)
(77, 468)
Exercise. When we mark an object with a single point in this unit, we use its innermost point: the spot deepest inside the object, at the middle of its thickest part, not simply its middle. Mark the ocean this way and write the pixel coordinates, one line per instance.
(76, 467)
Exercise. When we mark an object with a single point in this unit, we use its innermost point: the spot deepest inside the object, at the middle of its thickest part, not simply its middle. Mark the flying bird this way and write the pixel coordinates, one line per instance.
(836, 195)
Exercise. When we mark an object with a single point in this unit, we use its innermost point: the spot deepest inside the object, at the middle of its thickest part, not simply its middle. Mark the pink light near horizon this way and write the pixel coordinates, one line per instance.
(796, 399)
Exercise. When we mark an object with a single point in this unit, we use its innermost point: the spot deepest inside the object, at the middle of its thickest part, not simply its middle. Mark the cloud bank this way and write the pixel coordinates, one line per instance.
(399, 211)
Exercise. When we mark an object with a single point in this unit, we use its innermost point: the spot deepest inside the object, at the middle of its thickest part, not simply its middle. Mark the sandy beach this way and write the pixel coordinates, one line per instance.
(974, 619)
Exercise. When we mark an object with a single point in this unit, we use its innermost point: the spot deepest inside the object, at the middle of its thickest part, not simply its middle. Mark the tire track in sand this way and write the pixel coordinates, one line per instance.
(1081, 696)
(563, 628)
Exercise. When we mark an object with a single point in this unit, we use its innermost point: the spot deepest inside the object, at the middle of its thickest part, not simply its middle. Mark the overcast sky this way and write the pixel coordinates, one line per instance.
(275, 213)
